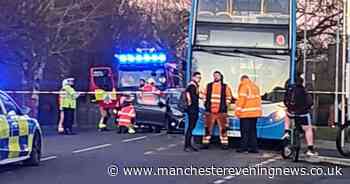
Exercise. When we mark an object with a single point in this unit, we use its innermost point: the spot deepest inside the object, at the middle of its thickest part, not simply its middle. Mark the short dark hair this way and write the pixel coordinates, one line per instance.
(299, 81)
(244, 77)
(218, 72)
(196, 73)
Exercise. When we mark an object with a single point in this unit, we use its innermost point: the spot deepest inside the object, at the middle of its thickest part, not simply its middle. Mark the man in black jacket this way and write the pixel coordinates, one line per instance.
(299, 104)
(192, 96)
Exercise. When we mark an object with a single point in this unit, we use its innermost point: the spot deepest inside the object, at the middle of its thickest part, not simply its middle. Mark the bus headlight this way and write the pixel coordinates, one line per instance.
(278, 115)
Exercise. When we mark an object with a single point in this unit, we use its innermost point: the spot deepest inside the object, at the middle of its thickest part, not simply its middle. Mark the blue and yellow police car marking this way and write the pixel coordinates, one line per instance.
(15, 141)
(23, 126)
(14, 147)
(5, 128)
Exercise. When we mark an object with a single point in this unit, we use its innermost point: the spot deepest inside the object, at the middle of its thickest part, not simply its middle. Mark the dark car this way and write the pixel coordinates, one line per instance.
(158, 112)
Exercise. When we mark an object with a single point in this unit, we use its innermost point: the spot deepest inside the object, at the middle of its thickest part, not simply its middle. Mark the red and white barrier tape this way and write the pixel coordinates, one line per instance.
(92, 93)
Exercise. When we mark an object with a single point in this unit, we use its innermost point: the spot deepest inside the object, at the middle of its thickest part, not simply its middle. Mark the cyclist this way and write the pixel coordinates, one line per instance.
(299, 103)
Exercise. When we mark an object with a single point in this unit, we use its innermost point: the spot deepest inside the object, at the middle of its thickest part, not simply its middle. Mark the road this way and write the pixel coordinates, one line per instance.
(85, 158)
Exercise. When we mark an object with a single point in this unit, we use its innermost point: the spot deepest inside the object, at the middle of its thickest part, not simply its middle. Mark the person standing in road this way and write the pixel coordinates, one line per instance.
(192, 96)
(217, 97)
(142, 84)
(248, 109)
(68, 98)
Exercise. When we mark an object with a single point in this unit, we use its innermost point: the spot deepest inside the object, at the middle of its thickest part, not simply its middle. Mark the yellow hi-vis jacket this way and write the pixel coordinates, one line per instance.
(248, 104)
(68, 97)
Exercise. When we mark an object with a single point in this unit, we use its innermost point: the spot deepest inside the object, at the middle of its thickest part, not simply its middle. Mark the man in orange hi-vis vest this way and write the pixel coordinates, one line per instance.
(217, 97)
(248, 109)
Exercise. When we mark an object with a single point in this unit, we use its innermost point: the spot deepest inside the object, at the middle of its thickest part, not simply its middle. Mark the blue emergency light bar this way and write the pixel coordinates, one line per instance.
(142, 58)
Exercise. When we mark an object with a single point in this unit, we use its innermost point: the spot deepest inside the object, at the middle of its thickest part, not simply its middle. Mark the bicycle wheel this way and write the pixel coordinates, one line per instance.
(343, 134)
(287, 149)
(296, 144)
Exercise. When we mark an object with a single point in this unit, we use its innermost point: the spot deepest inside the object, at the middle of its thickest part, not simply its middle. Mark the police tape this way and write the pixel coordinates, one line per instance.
(169, 91)
(173, 91)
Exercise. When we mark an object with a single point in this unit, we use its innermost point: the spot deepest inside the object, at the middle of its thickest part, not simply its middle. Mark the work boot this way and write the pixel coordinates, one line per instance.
(253, 151)
(194, 149)
(204, 146)
(241, 150)
(187, 149)
(224, 147)
(70, 132)
(103, 130)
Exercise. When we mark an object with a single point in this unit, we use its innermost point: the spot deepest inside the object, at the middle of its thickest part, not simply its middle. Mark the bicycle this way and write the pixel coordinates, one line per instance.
(292, 145)
(343, 139)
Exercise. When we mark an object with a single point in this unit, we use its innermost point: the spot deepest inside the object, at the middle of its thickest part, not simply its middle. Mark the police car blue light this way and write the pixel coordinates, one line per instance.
(20, 135)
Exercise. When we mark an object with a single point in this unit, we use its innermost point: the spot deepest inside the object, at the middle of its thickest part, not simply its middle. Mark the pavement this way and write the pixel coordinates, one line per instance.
(94, 157)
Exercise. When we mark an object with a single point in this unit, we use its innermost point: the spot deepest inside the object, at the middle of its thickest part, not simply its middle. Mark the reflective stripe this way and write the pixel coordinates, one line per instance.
(121, 113)
(243, 94)
(132, 114)
(215, 100)
(215, 96)
(124, 120)
(250, 109)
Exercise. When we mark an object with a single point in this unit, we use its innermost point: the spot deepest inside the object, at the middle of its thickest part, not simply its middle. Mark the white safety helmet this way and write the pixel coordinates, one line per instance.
(151, 80)
(68, 81)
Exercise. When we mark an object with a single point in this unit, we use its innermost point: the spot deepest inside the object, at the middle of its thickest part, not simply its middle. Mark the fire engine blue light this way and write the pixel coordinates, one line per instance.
(147, 58)
(131, 58)
(162, 58)
(123, 58)
(138, 58)
(141, 58)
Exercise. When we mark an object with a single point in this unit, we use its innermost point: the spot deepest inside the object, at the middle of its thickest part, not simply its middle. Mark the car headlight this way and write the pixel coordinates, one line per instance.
(278, 115)
(176, 112)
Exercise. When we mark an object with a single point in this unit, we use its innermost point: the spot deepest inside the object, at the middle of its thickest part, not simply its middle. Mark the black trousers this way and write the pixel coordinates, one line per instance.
(248, 134)
(192, 120)
(68, 118)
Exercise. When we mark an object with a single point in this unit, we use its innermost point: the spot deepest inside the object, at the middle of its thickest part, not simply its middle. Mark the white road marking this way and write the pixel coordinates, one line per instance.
(172, 145)
(333, 160)
(228, 177)
(92, 148)
(48, 158)
(134, 139)
(148, 153)
(160, 134)
(219, 181)
(161, 149)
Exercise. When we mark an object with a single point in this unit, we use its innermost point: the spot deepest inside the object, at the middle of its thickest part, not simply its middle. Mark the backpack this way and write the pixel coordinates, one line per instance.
(297, 100)
(183, 102)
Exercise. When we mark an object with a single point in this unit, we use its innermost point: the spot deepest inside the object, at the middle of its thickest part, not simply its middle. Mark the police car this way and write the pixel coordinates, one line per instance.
(20, 135)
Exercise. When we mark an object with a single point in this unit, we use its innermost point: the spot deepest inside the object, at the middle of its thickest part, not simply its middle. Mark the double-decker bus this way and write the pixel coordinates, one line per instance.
(244, 37)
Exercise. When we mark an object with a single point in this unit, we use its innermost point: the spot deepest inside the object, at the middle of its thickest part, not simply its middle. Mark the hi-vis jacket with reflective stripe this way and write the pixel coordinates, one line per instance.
(217, 95)
(248, 104)
(68, 97)
(125, 115)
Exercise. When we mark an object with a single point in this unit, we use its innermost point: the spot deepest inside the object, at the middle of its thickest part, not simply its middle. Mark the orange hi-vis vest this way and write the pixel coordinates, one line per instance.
(249, 100)
(125, 115)
(218, 95)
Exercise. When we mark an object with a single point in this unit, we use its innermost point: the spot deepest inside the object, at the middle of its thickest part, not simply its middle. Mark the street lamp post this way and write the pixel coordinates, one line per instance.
(345, 32)
(305, 42)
